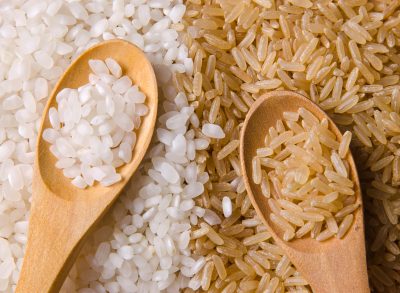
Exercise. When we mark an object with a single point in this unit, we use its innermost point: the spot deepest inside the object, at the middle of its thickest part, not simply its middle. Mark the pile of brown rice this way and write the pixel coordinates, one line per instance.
(303, 170)
(343, 55)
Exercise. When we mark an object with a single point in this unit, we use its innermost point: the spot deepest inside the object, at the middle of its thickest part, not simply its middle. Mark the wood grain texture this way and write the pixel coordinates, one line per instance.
(332, 266)
(62, 215)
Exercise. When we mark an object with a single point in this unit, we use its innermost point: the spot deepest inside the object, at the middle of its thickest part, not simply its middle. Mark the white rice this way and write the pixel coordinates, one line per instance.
(93, 126)
(145, 237)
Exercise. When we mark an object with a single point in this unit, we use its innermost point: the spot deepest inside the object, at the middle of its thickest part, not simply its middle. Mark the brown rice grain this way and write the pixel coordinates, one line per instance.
(230, 288)
(345, 226)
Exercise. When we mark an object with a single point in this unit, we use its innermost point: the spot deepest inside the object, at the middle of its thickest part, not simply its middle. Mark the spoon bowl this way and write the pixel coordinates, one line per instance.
(332, 266)
(62, 215)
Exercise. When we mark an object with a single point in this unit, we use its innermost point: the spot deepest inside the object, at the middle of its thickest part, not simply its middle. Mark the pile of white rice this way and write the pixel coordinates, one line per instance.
(143, 244)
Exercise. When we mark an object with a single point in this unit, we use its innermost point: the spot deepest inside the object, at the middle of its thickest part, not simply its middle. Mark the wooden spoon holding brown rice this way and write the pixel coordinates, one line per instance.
(275, 169)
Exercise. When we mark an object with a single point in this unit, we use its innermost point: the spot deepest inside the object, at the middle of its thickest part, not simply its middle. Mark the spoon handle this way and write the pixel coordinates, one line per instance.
(58, 227)
(53, 242)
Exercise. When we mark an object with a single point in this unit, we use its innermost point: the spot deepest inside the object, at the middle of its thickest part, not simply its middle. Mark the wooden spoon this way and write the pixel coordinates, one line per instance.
(62, 215)
(332, 266)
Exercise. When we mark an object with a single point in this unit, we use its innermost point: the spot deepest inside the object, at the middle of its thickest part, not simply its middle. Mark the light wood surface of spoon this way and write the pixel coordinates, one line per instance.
(332, 266)
(62, 215)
